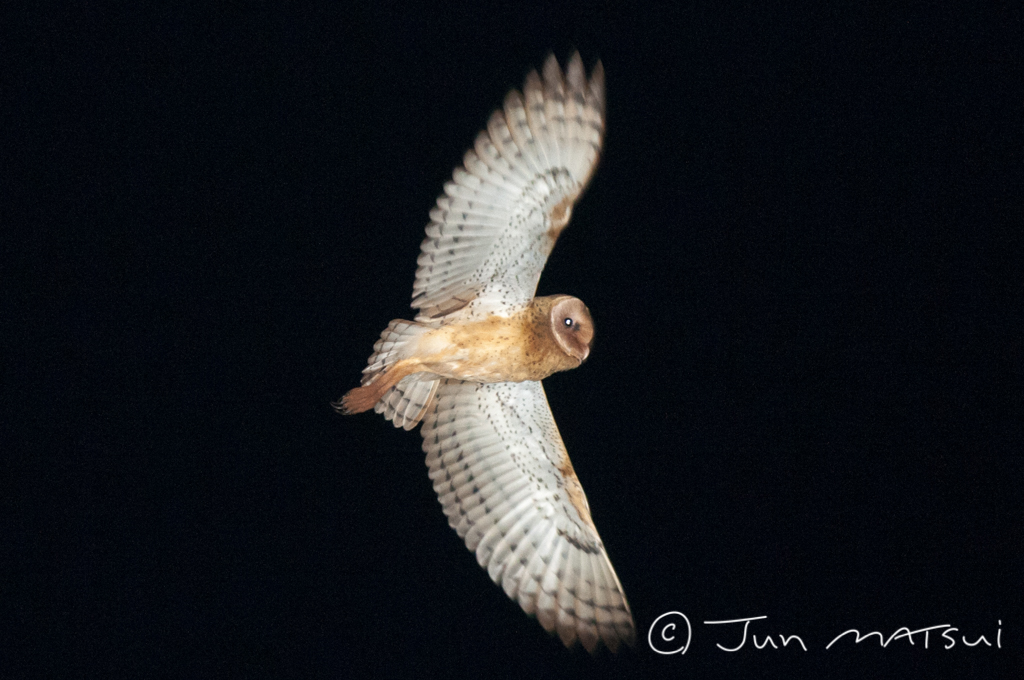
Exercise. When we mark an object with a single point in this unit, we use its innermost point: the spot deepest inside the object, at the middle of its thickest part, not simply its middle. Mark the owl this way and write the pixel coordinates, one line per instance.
(469, 366)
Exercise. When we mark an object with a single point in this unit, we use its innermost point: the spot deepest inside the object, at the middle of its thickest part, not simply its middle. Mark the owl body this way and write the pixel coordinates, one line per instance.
(498, 348)
(528, 344)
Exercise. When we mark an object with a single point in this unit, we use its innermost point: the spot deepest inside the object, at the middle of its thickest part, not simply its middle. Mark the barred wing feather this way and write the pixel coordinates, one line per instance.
(504, 479)
(500, 215)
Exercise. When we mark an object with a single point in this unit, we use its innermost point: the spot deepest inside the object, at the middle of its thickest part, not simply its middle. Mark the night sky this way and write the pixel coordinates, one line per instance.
(804, 400)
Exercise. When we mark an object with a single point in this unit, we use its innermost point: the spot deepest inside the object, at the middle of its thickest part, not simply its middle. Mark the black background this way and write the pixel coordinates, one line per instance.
(804, 401)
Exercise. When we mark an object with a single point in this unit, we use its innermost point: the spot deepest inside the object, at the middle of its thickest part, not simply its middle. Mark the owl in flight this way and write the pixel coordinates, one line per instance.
(469, 366)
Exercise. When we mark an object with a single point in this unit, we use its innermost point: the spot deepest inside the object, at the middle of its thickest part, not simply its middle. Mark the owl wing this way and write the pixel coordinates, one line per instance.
(505, 482)
(499, 216)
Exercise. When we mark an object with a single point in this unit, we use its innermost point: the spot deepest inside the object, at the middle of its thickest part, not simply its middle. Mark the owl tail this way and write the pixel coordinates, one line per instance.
(392, 383)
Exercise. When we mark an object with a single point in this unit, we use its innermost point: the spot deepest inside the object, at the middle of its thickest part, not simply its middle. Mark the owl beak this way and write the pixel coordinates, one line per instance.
(586, 354)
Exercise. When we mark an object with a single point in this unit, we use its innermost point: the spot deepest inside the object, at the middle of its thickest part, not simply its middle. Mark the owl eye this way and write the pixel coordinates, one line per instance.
(568, 322)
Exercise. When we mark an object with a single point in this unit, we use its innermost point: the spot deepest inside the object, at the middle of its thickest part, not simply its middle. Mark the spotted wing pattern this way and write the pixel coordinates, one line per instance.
(505, 482)
(497, 221)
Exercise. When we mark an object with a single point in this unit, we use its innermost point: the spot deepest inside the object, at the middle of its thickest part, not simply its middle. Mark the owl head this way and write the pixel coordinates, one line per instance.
(572, 326)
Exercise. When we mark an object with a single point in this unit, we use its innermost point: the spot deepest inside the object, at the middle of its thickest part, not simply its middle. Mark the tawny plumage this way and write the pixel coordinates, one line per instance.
(469, 366)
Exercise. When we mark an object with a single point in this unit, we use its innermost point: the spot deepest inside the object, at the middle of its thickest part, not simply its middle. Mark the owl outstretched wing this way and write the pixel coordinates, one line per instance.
(503, 477)
(502, 211)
